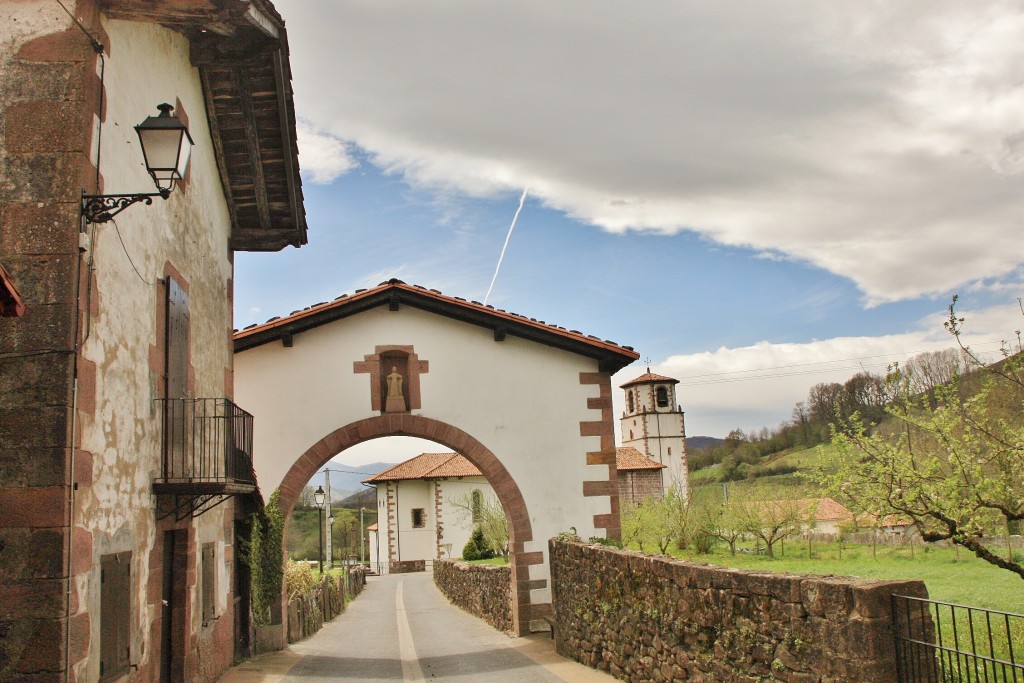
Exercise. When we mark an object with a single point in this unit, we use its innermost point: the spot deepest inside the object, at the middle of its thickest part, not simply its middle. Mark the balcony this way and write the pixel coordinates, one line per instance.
(207, 454)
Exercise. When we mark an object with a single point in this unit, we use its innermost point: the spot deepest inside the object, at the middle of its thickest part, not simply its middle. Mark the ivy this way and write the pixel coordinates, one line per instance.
(263, 553)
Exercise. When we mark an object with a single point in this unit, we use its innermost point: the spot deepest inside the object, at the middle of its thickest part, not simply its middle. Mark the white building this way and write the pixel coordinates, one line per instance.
(422, 505)
(653, 424)
(421, 510)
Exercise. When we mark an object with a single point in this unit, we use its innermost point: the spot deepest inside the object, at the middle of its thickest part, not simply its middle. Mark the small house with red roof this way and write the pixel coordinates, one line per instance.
(429, 505)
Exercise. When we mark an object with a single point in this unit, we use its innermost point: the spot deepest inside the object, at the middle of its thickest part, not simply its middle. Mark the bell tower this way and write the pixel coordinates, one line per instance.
(653, 424)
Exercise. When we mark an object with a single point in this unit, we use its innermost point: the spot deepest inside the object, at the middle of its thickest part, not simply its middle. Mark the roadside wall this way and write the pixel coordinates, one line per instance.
(482, 590)
(653, 618)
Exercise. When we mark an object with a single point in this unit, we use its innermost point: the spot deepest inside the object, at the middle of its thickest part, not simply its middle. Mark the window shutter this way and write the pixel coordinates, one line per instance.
(177, 340)
(209, 582)
(115, 614)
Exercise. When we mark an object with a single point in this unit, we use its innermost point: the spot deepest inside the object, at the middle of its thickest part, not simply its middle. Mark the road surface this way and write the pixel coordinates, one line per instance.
(402, 629)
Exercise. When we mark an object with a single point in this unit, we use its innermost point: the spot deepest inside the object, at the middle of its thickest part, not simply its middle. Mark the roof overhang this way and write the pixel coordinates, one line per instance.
(394, 294)
(241, 50)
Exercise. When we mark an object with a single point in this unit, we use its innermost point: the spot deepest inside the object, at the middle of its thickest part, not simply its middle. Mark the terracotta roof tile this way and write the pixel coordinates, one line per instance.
(628, 459)
(395, 292)
(427, 466)
(647, 378)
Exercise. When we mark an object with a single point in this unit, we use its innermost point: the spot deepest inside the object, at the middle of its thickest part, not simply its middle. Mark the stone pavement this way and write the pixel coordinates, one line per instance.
(401, 628)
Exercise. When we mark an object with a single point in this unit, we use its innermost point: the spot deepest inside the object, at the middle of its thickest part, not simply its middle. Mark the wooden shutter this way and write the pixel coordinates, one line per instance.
(115, 614)
(177, 340)
(209, 582)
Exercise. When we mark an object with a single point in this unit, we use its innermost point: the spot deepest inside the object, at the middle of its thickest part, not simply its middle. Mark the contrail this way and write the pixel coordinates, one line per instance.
(503, 248)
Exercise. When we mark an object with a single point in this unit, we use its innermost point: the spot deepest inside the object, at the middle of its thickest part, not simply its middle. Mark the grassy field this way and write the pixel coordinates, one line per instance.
(950, 576)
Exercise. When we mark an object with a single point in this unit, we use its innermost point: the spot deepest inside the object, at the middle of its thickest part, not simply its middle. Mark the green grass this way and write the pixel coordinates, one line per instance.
(493, 560)
(954, 577)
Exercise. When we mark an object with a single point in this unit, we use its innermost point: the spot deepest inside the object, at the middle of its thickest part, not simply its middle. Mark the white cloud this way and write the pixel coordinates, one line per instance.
(883, 142)
(323, 157)
(730, 387)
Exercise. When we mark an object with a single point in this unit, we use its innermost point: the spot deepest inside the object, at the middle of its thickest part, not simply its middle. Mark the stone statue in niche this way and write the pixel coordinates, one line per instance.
(395, 383)
(395, 399)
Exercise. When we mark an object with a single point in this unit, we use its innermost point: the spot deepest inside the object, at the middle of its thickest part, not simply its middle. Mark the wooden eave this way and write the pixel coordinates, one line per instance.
(240, 48)
(394, 294)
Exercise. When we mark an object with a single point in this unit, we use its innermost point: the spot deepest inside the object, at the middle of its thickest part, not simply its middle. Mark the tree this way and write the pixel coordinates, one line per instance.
(767, 517)
(487, 515)
(656, 522)
(952, 459)
(476, 547)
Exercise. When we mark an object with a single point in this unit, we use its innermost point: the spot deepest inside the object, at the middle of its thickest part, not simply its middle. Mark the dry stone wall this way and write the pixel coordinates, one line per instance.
(480, 589)
(644, 618)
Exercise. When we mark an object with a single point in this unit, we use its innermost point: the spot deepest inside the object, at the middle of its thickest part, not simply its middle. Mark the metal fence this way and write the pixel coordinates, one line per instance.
(941, 642)
(206, 440)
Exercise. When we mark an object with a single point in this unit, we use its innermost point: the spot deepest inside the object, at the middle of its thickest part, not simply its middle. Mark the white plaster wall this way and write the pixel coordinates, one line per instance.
(521, 400)
(458, 526)
(148, 65)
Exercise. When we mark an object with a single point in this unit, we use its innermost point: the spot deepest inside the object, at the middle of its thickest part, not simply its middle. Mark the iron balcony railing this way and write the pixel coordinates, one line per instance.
(940, 642)
(206, 441)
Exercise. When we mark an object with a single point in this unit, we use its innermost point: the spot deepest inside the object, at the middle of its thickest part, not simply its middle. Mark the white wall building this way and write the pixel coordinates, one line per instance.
(653, 424)
(421, 509)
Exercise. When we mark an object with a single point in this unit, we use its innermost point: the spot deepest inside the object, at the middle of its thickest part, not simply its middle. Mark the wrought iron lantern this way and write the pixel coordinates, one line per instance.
(166, 147)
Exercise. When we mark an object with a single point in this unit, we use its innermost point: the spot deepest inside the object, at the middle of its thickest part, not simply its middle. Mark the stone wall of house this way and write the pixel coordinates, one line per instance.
(637, 485)
(644, 618)
(483, 590)
(407, 566)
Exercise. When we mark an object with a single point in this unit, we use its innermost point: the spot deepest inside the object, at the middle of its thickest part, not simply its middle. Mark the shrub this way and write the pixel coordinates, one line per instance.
(477, 547)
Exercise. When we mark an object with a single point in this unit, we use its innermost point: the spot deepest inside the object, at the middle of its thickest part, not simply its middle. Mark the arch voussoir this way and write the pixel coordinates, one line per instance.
(505, 487)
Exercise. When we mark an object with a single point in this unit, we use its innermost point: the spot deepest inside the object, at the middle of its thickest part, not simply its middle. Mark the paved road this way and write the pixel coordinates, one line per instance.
(402, 629)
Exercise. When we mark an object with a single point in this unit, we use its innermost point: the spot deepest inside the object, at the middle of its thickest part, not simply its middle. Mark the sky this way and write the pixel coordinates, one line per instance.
(756, 196)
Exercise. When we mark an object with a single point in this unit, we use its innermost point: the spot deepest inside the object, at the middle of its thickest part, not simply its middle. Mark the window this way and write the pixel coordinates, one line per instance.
(478, 505)
(629, 401)
(115, 614)
(209, 574)
(661, 396)
(419, 519)
(178, 326)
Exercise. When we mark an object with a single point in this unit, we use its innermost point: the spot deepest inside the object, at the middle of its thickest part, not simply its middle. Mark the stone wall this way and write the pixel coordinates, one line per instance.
(635, 486)
(308, 610)
(407, 566)
(483, 590)
(645, 618)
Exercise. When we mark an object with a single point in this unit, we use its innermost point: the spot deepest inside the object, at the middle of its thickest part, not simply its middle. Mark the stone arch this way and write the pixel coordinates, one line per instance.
(505, 487)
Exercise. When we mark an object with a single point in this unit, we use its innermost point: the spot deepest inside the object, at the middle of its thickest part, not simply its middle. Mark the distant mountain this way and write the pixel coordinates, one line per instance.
(346, 479)
(363, 499)
(703, 442)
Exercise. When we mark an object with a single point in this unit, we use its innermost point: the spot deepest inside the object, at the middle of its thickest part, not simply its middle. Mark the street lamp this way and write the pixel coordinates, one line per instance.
(163, 138)
(319, 496)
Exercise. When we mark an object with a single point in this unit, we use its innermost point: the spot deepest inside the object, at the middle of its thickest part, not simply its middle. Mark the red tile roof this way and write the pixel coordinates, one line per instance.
(827, 510)
(628, 459)
(395, 293)
(428, 466)
(649, 378)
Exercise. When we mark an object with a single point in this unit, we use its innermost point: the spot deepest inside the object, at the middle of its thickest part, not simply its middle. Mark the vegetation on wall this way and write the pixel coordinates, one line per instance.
(263, 555)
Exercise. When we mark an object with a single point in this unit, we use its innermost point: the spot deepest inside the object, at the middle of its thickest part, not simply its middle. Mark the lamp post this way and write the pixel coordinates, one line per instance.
(319, 496)
(361, 510)
(166, 147)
